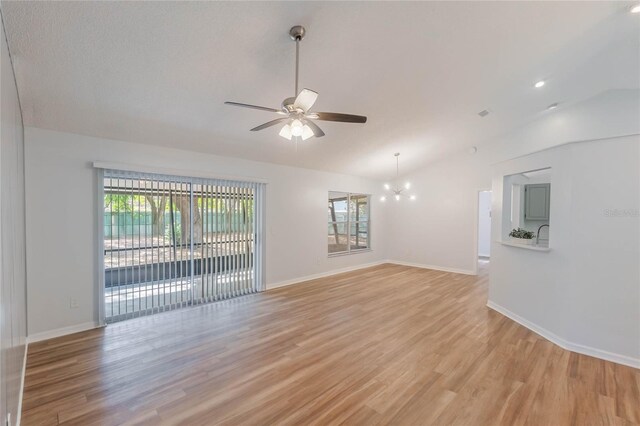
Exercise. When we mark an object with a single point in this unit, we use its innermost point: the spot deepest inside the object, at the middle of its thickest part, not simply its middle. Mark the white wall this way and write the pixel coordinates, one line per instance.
(604, 300)
(12, 242)
(586, 290)
(61, 219)
(440, 228)
(484, 223)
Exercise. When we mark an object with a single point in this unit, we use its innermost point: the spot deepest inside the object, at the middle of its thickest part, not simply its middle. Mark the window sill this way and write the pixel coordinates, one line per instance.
(526, 247)
(348, 253)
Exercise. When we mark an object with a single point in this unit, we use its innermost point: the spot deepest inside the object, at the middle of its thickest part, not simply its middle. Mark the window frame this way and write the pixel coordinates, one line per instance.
(349, 223)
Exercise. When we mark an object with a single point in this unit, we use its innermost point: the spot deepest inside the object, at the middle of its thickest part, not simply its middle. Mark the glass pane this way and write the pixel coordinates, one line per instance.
(337, 209)
(146, 245)
(359, 235)
(337, 237)
(359, 208)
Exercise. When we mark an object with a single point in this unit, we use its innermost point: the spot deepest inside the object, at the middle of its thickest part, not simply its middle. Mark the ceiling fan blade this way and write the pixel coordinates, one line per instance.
(269, 124)
(305, 99)
(317, 131)
(335, 116)
(255, 107)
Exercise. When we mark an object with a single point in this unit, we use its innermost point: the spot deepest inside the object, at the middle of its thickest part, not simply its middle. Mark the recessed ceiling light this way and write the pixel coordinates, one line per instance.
(635, 9)
(539, 84)
(553, 106)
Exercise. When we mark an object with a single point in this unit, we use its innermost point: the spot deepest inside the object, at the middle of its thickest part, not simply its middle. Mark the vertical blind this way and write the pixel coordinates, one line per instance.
(174, 241)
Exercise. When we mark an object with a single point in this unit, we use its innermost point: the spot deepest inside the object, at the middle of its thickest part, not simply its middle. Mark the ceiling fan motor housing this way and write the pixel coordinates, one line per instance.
(287, 106)
(297, 32)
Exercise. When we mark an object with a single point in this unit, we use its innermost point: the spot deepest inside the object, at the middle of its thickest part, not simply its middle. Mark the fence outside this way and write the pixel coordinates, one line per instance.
(133, 224)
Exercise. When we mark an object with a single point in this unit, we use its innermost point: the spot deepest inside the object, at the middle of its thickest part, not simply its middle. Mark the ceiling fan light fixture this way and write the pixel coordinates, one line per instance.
(296, 108)
(286, 132)
(306, 132)
(296, 128)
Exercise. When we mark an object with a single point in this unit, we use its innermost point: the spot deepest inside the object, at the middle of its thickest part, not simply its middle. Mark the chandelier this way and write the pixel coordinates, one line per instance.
(398, 191)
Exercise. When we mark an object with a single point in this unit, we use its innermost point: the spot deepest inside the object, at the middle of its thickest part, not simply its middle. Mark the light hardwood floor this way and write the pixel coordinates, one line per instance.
(384, 345)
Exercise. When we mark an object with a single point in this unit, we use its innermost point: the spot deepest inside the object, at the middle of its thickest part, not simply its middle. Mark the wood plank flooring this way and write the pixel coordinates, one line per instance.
(383, 345)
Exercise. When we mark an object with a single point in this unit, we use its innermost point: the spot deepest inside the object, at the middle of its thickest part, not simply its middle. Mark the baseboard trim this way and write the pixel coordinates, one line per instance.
(564, 344)
(324, 274)
(434, 267)
(24, 371)
(59, 332)
(366, 265)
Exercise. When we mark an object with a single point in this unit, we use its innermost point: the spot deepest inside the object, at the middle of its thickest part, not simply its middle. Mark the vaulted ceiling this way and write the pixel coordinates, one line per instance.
(159, 72)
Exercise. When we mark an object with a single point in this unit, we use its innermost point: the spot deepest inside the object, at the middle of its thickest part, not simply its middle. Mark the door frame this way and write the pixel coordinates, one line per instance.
(477, 226)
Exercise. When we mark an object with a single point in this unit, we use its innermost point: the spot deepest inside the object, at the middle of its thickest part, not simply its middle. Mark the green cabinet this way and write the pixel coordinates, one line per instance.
(536, 201)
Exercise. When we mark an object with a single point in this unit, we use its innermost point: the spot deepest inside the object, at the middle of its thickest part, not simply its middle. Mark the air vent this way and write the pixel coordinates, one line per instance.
(483, 113)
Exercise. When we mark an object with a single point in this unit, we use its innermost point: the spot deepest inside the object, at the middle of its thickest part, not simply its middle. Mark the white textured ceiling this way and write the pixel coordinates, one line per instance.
(159, 72)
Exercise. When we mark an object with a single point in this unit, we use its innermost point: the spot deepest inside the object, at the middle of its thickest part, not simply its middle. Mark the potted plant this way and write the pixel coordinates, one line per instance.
(522, 236)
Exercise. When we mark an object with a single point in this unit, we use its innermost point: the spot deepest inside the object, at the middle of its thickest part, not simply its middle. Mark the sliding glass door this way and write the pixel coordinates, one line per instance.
(171, 242)
(225, 228)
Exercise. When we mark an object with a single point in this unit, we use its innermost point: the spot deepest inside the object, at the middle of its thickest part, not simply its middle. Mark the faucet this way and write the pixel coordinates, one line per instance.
(538, 234)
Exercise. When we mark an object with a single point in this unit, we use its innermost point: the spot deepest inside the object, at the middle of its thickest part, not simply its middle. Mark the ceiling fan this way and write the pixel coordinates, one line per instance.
(297, 117)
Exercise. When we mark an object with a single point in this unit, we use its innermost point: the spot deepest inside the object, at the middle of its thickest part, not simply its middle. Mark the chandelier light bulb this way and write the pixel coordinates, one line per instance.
(383, 198)
(386, 186)
(397, 197)
(412, 198)
(407, 185)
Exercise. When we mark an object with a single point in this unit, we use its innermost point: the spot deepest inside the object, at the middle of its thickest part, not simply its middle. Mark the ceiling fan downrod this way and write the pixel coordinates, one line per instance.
(297, 33)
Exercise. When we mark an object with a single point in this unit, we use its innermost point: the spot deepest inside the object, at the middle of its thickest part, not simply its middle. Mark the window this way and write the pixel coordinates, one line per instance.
(348, 223)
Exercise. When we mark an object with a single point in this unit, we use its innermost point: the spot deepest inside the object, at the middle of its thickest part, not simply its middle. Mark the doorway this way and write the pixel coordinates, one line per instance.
(484, 225)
